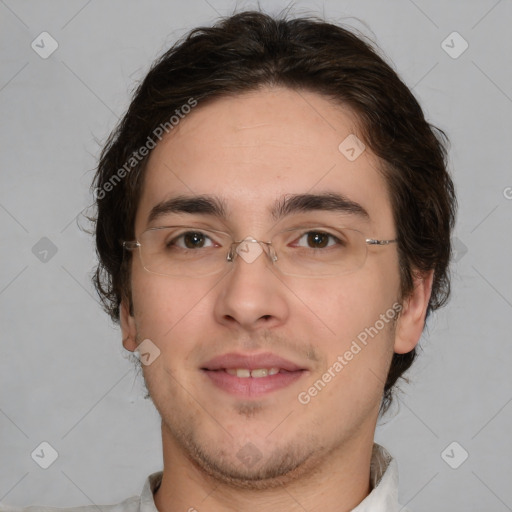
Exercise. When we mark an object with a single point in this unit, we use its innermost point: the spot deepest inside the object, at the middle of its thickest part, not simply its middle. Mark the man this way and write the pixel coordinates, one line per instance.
(273, 228)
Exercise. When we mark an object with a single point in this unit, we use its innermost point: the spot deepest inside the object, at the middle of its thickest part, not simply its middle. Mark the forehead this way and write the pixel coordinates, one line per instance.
(252, 149)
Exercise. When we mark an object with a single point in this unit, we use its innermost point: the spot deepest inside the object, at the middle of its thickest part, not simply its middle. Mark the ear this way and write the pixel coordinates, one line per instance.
(128, 327)
(411, 321)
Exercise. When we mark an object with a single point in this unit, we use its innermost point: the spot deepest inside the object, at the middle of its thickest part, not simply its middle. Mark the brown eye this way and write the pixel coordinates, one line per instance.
(317, 240)
(194, 240)
(191, 240)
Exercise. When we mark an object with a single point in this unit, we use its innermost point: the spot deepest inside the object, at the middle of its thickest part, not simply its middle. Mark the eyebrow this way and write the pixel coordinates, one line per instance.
(203, 205)
(312, 202)
(295, 203)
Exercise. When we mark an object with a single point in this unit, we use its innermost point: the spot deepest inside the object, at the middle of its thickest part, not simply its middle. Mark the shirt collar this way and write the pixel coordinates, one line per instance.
(383, 480)
(147, 502)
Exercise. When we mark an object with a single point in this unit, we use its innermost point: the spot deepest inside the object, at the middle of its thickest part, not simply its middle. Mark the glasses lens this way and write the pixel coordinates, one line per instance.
(306, 252)
(183, 251)
(322, 251)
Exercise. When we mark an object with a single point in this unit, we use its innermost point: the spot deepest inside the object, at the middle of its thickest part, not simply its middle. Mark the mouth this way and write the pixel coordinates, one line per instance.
(252, 375)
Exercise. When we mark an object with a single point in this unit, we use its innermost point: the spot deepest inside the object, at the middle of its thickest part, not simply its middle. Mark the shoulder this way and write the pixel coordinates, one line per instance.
(129, 505)
(142, 503)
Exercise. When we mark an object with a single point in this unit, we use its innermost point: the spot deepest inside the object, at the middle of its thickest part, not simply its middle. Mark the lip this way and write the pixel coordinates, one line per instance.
(251, 362)
(251, 387)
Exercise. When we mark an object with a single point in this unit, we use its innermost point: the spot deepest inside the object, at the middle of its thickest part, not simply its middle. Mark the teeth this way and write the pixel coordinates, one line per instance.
(256, 373)
(260, 372)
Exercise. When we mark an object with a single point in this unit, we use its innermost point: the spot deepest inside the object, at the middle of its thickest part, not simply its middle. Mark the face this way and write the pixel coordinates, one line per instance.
(250, 155)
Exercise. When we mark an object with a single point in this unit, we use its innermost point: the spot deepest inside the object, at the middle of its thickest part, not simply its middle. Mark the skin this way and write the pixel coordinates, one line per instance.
(251, 150)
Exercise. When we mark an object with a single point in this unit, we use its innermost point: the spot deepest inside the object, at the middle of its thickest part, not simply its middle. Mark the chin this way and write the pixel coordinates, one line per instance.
(243, 465)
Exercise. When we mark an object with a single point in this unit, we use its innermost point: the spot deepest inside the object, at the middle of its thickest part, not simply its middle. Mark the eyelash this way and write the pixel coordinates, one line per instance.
(174, 242)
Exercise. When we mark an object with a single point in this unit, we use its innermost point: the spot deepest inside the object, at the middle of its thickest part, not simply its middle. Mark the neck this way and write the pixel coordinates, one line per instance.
(338, 482)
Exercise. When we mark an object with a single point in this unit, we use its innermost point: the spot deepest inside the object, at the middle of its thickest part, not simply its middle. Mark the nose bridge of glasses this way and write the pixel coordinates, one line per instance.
(250, 249)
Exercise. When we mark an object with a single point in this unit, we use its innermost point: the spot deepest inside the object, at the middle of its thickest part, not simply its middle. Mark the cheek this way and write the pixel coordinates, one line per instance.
(359, 349)
(167, 309)
(347, 305)
(366, 329)
(359, 345)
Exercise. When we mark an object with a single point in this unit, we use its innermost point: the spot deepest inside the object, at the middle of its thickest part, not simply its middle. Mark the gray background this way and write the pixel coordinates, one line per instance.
(64, 376)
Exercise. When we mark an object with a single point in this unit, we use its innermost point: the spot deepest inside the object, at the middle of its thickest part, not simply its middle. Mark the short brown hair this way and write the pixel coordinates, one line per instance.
(250, 50)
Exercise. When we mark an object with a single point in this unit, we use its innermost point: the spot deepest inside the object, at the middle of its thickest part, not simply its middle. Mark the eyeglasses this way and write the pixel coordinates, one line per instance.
(184, 251)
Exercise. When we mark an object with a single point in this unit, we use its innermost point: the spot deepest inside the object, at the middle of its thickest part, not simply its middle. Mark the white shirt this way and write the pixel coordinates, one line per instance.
(382, 498)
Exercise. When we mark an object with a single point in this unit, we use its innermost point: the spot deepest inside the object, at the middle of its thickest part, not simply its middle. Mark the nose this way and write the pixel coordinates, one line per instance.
(251, 295)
